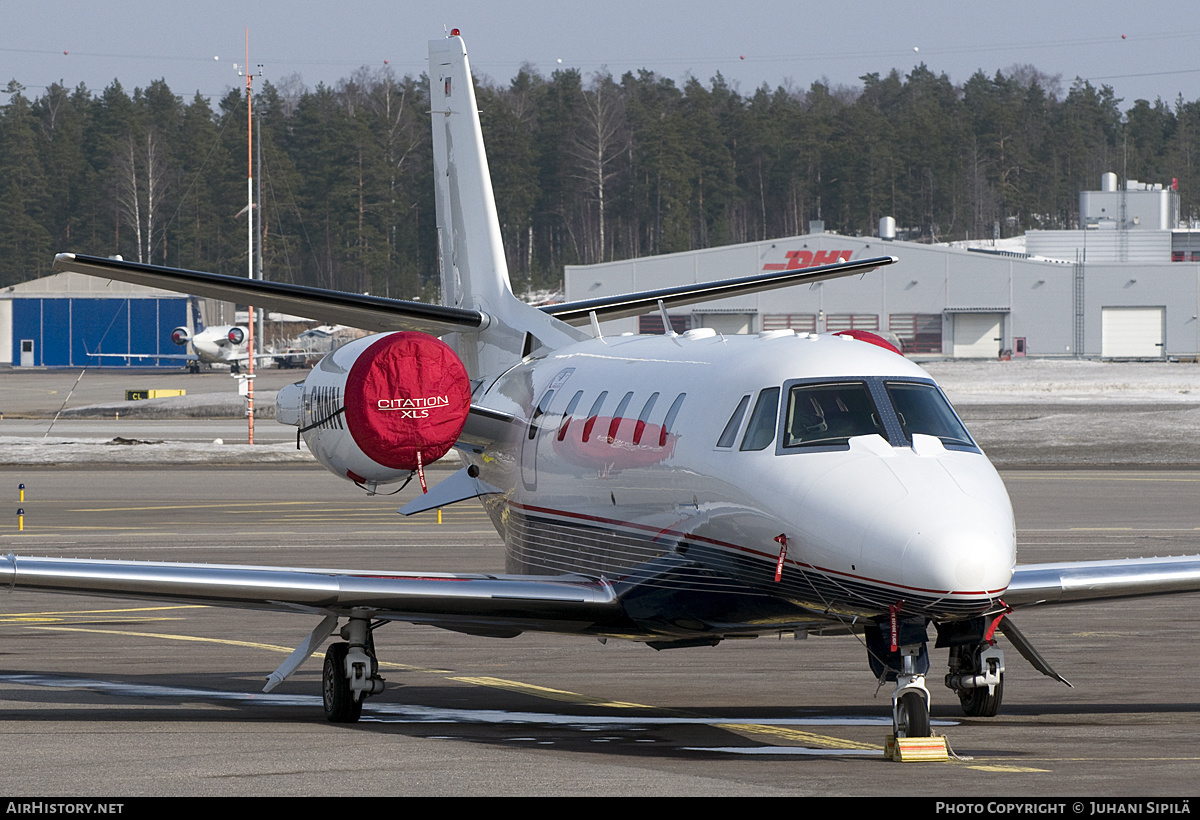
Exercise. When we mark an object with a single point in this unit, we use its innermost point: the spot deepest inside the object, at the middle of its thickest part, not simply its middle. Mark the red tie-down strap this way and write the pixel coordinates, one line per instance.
(991, 630)
(894, 624)
(421, 473)
(782, 540)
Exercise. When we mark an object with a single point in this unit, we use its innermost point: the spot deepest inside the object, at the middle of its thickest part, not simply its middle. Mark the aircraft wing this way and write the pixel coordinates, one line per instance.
(1084, 581)
(482, 604)
(179, 356)
(625, 305)
(374, 313)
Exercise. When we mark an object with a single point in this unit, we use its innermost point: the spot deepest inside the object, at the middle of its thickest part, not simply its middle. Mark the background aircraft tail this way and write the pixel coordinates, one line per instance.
(474, 272)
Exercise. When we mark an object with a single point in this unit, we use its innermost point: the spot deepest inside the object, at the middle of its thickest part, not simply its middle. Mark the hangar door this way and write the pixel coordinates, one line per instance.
(978, 335)
(1133, 332)
(728, 324)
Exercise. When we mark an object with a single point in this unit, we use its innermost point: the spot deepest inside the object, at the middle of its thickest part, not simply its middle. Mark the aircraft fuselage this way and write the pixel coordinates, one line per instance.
(671, 466)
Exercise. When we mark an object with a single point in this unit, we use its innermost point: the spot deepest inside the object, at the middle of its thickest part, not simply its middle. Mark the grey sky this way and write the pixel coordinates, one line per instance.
(137, 41)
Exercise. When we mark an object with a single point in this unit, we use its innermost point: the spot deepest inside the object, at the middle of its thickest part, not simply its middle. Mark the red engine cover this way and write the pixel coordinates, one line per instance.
(407, 393)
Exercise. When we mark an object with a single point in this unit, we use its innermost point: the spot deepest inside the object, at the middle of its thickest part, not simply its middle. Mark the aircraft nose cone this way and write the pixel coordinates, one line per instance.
(951, 532)
(967, 548)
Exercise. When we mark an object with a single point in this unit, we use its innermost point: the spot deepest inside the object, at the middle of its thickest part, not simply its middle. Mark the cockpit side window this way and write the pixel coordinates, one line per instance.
(921, 408)
(729, 434)
(761, 430)
(819, 414)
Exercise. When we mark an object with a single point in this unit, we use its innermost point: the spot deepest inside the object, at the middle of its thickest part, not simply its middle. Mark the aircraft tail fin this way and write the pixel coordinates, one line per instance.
(474, 272)
(197, 321)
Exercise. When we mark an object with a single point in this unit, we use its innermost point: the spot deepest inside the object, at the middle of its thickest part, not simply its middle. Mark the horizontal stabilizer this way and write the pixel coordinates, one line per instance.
(374, 313)
(458, 487)
(626, 305)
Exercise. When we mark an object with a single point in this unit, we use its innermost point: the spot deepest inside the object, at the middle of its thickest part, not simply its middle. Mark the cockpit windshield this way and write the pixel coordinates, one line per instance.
(829, 414)
(921, 408)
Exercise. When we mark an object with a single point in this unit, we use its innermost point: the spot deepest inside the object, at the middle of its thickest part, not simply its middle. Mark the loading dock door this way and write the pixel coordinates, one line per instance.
(1133, 332)
(727, 324)
(978, 335)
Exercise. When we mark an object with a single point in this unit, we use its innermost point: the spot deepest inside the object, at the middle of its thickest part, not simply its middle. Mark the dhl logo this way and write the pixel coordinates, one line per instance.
(798, 260)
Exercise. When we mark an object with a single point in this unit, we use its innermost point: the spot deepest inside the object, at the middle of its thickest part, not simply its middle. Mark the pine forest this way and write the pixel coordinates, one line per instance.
(585, 169)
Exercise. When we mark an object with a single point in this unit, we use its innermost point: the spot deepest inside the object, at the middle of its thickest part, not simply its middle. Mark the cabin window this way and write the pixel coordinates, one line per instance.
(640, 427)
(547, 397)
(618, 414)
(595, 411)
(823, 414)
(735, 421)
(566, 422)
(921, 408)
(761, 430)
(669, 421)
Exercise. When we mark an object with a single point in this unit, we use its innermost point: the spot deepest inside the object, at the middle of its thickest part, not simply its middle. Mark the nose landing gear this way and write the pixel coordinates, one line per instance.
(910, 699)
(896, 650)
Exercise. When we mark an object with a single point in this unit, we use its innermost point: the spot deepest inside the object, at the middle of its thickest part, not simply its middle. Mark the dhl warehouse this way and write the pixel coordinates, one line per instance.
(1127, 286)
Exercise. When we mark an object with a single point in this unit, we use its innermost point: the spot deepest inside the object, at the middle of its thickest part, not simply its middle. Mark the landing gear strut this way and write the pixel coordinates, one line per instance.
(977, 677)
(906, 661)
(910, 700)
(351, 673)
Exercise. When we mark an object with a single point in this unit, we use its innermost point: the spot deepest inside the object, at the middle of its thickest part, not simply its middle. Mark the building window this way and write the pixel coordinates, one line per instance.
(652, 325)
(837, 322)
(799, 322)
(918, 332)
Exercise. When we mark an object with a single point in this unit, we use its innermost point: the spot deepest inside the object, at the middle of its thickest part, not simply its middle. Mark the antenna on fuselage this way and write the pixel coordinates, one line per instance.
(666, 320)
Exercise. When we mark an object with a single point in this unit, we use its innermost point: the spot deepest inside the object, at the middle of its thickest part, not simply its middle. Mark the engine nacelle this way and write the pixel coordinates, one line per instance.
(180, 336)
(375, 408)
(236, 336)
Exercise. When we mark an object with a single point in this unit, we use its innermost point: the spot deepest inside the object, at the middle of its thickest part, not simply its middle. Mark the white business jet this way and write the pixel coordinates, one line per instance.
(675, 490)
(226, 344)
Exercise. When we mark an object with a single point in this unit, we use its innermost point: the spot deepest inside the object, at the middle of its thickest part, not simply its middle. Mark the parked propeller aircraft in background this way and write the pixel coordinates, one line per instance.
(676, 490)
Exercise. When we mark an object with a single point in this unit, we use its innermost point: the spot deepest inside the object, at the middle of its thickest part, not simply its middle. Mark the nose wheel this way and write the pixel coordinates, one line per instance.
(910, 700)
(911, 716)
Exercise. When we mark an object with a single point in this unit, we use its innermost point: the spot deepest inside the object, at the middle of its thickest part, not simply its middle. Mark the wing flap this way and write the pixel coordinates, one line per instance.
(482, 600)
(1082, 581)
(626, 305)
(375, 313)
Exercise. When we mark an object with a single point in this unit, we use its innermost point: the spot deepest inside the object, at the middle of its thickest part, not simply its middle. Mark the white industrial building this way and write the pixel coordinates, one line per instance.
(1127, 286)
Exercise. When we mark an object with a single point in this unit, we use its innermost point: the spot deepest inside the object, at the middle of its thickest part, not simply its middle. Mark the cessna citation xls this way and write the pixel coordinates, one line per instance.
(675, 490)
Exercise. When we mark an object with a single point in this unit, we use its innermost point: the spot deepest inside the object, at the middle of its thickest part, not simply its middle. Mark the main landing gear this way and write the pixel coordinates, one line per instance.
(351, 673)
(977, 677)
(976, 666)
